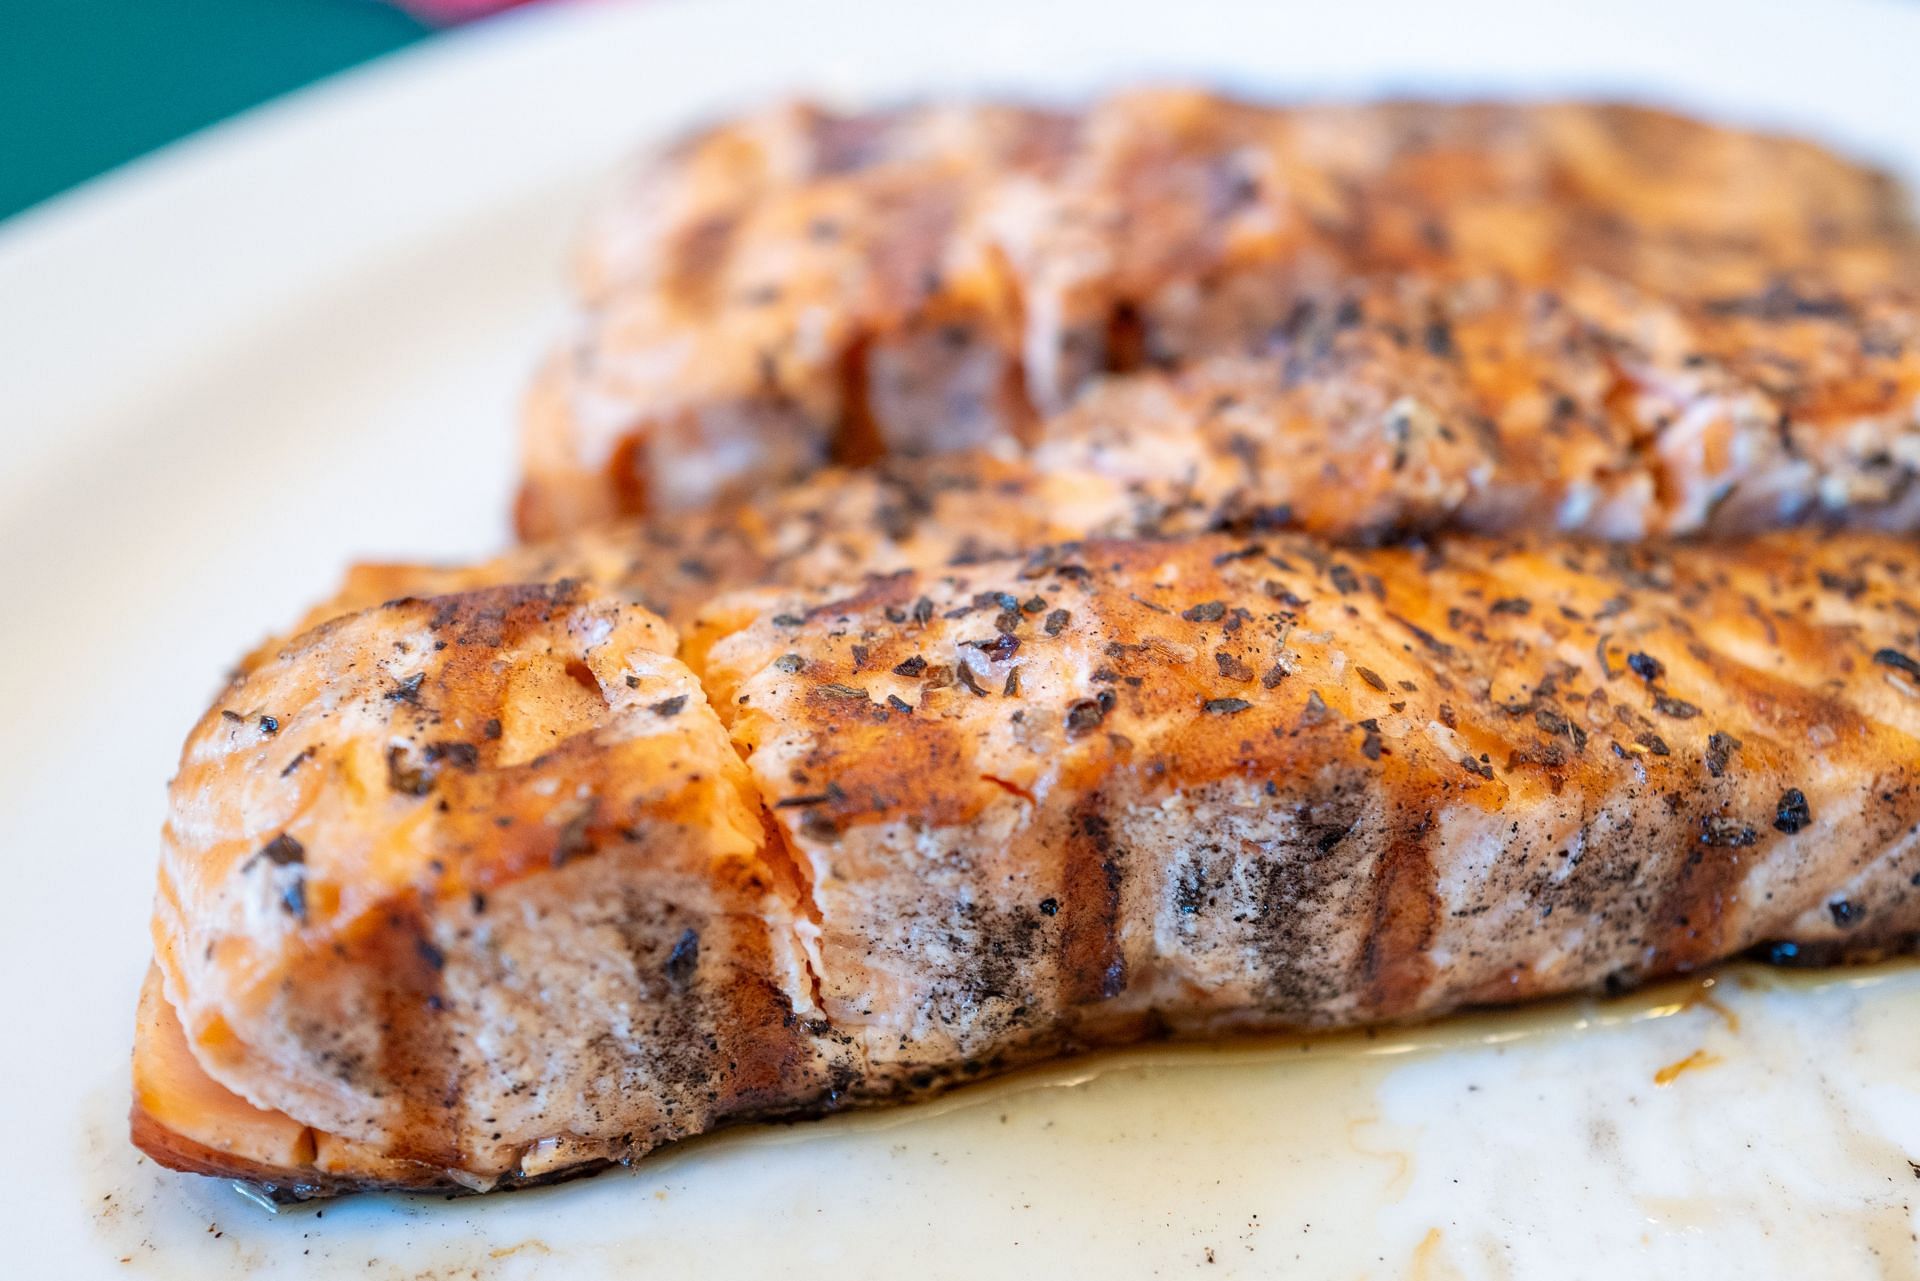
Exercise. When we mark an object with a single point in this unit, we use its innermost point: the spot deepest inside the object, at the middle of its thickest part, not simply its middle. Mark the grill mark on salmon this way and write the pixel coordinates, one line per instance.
(1091, 952)
(415, 1053)
(1406, 909)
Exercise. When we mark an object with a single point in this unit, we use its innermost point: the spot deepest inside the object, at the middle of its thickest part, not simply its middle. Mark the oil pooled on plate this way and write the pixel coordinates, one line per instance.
(1755, 1123)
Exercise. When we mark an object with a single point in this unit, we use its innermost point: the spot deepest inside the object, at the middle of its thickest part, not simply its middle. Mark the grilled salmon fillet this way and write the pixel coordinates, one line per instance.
(801, 286)
(840, 792)
(493, 886)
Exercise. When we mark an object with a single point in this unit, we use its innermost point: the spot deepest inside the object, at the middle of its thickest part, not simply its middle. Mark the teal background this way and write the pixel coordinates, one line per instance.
(88, 84)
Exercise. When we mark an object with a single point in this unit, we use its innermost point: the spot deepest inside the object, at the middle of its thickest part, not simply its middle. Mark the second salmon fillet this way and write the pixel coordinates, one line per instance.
(801, 286)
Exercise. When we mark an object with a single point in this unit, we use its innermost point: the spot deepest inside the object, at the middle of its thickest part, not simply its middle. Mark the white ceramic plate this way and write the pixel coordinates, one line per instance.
(230, 368)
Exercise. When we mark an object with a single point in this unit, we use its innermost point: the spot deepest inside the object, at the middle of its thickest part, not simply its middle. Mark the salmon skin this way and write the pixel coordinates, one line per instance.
(487, 888)
(1683, 310)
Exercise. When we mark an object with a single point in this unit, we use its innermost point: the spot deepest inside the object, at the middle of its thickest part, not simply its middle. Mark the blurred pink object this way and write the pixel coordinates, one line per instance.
(449, 11)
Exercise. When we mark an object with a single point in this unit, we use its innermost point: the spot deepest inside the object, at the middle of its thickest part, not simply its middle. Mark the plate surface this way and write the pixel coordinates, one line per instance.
(298, 339)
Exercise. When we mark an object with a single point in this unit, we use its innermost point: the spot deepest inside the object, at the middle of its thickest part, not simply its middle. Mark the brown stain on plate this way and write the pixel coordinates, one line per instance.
(1673, 1071)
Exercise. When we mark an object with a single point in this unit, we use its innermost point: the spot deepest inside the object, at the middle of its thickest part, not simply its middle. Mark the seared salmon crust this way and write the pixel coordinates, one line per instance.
(479, 889)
